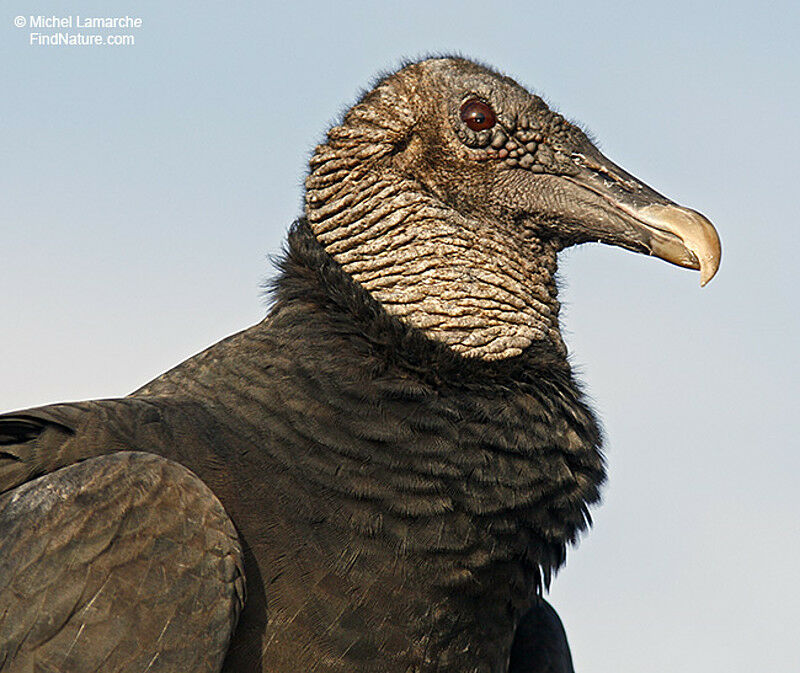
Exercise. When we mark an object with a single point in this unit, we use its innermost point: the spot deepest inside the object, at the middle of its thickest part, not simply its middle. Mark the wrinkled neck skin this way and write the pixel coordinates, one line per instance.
(484, 290)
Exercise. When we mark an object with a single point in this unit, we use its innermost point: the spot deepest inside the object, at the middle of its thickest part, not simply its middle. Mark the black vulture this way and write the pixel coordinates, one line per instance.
(384, 473)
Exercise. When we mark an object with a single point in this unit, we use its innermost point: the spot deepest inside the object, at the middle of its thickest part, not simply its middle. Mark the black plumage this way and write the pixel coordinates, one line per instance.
(102, 570)
(399, 501)
(540, 643)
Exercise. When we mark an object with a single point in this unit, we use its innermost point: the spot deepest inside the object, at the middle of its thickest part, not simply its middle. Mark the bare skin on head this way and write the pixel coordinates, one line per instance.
(448, 191)
(329, 490)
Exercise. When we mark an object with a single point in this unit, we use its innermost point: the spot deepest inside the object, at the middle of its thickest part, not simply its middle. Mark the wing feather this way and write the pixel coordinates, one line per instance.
(119, 563)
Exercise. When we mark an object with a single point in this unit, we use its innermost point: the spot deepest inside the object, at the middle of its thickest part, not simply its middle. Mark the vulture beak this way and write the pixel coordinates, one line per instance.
(628, 213)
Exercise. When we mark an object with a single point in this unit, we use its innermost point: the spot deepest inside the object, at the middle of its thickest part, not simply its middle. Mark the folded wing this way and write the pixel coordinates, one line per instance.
(120, 562)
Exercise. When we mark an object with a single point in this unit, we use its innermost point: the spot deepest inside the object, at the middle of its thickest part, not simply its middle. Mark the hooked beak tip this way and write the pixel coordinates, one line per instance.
(697, 237)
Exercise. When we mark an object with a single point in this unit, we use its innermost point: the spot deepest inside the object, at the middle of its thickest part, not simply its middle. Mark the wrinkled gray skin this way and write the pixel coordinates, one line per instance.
(398, 500)
(457, 231)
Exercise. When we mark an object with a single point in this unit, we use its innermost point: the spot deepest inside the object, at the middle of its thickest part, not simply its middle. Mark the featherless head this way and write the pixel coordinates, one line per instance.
(447, 152)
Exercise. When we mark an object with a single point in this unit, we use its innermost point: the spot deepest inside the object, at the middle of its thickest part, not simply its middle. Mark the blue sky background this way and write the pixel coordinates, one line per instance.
(143, 188)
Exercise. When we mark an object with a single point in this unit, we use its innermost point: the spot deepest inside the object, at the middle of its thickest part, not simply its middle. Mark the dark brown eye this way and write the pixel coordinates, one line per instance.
(477, 115)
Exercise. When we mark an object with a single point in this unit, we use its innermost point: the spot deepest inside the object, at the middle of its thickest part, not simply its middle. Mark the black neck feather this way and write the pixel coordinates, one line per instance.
(455, 455)
(310, 275)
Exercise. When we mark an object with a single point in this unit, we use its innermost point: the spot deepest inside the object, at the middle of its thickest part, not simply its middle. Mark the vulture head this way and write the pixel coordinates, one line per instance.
(448, 190)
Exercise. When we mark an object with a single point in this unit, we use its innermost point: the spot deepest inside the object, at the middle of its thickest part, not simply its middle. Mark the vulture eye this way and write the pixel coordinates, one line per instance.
(477, 115)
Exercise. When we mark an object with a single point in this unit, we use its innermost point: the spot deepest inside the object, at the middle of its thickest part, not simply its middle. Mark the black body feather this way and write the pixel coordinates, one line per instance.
(399, 505)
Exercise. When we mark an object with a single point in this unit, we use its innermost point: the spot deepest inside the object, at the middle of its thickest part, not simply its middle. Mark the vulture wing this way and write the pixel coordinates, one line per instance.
(119, 562)
(401, 442)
